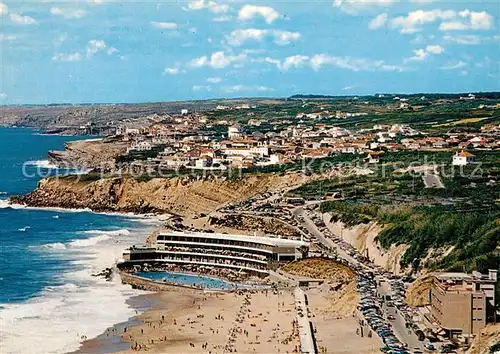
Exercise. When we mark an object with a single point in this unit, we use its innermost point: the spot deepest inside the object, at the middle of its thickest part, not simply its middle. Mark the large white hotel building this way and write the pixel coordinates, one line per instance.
(252, 254)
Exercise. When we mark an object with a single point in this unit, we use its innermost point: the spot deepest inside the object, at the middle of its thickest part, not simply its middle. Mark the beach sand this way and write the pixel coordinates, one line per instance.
(211, 322)
(195, 321)
(206, 322)
(334, 316)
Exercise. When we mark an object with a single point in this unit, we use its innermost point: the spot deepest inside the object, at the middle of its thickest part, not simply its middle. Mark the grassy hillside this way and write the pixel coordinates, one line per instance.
(474, 233)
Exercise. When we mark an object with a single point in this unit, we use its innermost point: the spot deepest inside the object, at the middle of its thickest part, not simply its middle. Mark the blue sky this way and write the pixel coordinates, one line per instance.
(104, 51)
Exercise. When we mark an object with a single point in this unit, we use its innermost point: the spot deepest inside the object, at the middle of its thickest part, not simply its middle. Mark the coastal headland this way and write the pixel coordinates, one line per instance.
(179, 195)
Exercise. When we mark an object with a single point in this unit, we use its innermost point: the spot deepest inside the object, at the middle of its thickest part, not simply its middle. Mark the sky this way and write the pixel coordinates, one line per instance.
(107, 51)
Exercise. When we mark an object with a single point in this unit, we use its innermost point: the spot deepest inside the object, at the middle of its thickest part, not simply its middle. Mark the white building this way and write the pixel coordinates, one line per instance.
(184, 111)
(234, 132)
(140, 146)
(463, 158)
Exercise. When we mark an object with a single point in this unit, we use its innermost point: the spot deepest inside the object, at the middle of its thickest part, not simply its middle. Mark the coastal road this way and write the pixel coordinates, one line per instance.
(313, 230)
(398, 325)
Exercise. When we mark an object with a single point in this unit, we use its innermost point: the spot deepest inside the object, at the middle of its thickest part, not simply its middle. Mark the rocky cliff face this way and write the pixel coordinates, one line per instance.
(418, 294)
(364, 238)
(89, 153)
(180, 196)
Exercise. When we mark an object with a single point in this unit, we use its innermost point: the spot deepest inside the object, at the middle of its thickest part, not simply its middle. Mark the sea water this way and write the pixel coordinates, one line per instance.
(49, 298)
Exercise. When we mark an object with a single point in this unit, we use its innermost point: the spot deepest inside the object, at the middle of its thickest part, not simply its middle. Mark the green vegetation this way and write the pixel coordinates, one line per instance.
(391, 180)
(436, 114)
(473, 233)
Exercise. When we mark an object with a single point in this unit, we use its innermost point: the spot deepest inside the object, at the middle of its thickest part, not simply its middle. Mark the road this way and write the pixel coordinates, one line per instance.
(398, 324)
(432, 181)
(313, 230)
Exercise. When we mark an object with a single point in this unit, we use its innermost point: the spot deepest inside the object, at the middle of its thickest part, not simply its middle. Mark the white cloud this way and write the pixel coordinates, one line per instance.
(356, 6)
(378, 21)
(285, 37)
(212, 6)
(353, 64)
(420, 55)
(240, 36)
(434, 49)
(217, 60)
(424, 53)
(295, 61)
(202, 87)
(450, 20)
(164, 25)
(248, 12)
(3, 9)
(452, 26)
(348, 88)
(214, 80)
(3, 96)
(463, 73)
(7, 37)
(239, 88)
(67, 57)
(22, 20)
(199, 62)
(222, 19)
(171, 71)
(94, 46)
(463, 39)
(472, 21)
(414, 20)
(458, 65)
(68, 13)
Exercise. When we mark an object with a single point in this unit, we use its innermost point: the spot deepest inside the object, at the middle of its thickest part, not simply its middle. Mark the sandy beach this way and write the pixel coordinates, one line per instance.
(178, 319)
(208, 322)
(196, 321)
(334, 316)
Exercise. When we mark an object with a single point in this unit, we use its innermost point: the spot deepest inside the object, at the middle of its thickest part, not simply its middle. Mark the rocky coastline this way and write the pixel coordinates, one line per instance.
(182, 196)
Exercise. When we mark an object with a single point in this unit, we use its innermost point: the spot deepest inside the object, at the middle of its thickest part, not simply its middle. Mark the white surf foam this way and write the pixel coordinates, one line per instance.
(144, 218)
(121, 232)
(24, 229)
(54, 321)
(46, 164)
(55, 246)
(88, 242)
(4, 204)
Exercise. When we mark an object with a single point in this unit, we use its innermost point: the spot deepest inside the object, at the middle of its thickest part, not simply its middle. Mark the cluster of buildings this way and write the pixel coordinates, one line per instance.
(191, 141)
(328, 114)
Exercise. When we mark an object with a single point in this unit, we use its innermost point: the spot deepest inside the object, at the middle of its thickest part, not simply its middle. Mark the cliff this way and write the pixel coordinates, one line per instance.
(364, 238)
(179, 195)
(89, 153)
(488, 341)
(418, 293)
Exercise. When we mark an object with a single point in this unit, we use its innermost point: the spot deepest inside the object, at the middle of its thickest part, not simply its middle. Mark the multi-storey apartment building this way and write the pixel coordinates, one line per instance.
(463, 303)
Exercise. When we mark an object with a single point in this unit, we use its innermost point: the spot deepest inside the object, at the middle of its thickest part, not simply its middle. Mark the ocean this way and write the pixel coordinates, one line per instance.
(49, 298)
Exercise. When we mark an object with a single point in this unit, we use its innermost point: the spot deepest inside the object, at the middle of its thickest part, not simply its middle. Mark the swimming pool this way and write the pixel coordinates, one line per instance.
(192, 280)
